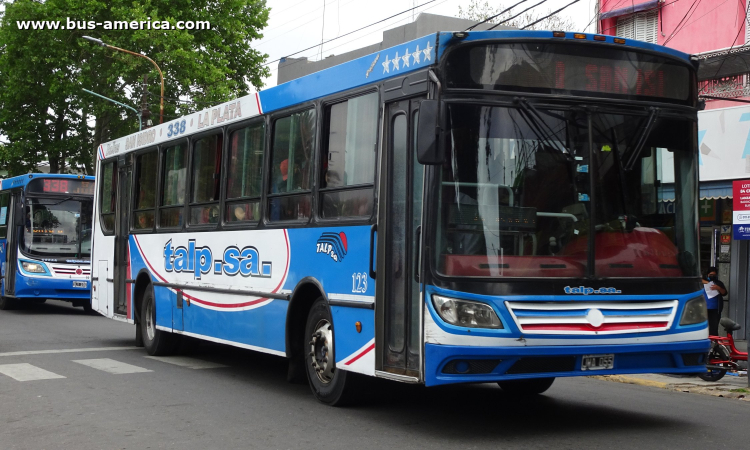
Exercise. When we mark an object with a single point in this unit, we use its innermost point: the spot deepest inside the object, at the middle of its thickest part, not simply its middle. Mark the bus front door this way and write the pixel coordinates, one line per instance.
(11, 245)
(122, 226)
(398, 290)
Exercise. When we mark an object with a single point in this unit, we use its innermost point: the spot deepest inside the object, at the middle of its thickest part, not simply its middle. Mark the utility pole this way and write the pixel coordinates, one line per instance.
(145, 112)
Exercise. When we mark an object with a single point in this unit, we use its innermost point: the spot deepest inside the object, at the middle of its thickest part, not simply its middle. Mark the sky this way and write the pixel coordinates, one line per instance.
(298, 24)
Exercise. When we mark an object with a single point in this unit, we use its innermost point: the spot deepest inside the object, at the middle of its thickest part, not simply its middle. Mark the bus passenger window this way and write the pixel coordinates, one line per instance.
(292, 150)
(206, 180)
(173, 187)
(348, 158)
(145, 190)
(107, 201)
(245, 176)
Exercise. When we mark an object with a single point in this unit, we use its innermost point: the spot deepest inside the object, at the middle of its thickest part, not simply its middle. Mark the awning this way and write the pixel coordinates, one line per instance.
(724, 63)
(651, 4)
(713, 190)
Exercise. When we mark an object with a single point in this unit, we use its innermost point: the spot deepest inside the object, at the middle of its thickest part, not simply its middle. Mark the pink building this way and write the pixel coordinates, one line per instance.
(716, 33)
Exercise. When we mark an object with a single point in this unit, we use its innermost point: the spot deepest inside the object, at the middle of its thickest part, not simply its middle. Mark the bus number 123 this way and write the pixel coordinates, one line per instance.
(359, 282)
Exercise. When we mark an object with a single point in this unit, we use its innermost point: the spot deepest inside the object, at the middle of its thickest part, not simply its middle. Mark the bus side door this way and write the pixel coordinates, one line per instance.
(399, 306)
(121, 271)
(11, 244)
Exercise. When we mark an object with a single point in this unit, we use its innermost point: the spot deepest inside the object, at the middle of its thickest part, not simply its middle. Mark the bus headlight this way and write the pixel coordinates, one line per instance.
(465, 313)
(695, 311)
(32, 267)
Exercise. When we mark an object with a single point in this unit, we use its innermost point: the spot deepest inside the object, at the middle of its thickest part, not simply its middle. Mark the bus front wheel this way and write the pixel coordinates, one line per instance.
(329, 385)
(157, 342)
(531, 386)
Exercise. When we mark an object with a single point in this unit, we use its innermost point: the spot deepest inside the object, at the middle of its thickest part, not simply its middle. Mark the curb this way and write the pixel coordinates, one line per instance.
(720, 390)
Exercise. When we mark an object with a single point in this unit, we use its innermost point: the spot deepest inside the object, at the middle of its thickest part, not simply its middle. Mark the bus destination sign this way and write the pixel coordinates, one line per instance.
(61, 186)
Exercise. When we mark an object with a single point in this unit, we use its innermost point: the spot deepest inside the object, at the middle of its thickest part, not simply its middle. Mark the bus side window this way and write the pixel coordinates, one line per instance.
(173, 186)
(4, 214)
(145, 190)
(206, 177)
(291, 167)
(244, 180)
(348, 158)
(108, 199)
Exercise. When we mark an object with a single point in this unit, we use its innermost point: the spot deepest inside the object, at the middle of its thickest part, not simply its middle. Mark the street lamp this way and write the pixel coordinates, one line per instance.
(161, 99)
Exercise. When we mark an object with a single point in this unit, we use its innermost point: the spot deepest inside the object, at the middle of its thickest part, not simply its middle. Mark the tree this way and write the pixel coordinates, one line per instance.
(481, 11)
(45, 115)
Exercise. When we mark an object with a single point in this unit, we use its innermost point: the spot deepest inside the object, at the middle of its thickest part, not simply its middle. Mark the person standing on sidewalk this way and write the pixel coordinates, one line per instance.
(715, 290)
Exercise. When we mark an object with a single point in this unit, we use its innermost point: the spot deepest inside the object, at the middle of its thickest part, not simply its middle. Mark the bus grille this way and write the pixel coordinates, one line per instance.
(593, 318)
(66, 270)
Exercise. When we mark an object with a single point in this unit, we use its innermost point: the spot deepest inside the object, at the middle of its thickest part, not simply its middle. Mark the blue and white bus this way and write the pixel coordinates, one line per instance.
(45, 239)
(461, 208)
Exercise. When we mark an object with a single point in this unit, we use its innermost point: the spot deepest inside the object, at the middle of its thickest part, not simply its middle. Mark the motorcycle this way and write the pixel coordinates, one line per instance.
(724, 355)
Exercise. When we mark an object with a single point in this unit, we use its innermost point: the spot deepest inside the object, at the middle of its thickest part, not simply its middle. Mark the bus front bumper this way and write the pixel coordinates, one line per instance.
(52, 288)
(447, 364)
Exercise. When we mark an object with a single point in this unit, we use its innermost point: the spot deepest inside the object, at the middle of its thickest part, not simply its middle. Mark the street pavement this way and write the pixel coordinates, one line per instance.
(70, 380)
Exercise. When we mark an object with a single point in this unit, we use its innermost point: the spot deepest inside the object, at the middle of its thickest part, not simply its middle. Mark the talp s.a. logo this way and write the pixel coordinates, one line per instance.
(333, 245)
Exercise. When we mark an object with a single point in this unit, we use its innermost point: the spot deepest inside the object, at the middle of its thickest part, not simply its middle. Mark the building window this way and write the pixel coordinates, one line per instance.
(641, 26)
(348, 158)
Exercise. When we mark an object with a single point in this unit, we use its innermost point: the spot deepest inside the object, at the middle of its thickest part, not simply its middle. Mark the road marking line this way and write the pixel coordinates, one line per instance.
(67, 350)
(27, 372)
(111, 366)
(185, 361)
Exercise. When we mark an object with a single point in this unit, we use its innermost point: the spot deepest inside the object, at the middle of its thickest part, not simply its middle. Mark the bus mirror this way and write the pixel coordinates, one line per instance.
(430, 148)
(18, 214)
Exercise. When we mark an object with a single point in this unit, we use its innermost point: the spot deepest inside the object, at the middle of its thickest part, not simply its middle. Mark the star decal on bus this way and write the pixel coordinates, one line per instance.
(386, 64)
(407, 59)
(395, 61)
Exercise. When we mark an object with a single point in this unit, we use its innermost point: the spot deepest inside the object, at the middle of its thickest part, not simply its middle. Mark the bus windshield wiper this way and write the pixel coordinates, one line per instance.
(537, 123)
(645, 132)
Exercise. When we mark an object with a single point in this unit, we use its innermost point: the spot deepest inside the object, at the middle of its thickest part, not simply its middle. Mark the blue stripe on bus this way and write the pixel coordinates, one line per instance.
(23, 180)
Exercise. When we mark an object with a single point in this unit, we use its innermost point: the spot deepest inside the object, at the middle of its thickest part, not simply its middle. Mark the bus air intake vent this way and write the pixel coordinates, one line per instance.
(543, 365)
(470, 366)
(593, 318)
(694, 359)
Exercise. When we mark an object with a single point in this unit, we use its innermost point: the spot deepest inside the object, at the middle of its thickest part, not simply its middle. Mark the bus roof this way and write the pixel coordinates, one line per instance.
(23, 180)
(388, 63)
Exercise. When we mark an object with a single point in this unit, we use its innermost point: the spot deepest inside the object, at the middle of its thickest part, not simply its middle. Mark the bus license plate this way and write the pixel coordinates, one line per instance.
(81, 284)
(598, 362)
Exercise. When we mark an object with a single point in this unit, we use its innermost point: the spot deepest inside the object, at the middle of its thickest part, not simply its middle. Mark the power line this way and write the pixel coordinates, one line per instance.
(492, 17)
(513, 17)
(704, 15)
(733, 42)
(550, 14)
(645, 10)
(696, 3)
(265, 41)
(351, 32)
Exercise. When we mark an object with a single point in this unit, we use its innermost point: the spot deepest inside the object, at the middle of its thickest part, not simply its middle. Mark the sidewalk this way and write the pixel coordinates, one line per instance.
(729, 387)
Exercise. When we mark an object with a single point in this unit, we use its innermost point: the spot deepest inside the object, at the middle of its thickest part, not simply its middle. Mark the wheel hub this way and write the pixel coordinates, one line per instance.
(150, 328)
(321, 351)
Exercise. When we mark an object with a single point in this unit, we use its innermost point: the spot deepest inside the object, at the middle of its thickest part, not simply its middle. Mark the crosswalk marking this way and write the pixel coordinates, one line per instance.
(190, 363)
(111, 366)
(27, 372)
(67, 350)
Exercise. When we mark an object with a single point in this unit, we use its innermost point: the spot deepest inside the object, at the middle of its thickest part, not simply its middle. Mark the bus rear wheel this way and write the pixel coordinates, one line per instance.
(531, 386)
(7, 303)
(157, 342)
(328, 384)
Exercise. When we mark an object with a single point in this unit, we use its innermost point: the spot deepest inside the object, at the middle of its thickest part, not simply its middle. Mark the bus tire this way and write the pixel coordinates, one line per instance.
(531, 386)
(328, 384)
(7, 303)
(157, 342)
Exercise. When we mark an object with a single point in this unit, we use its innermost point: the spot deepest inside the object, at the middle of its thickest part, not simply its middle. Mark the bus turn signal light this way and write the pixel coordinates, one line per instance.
(600, 38)
(579, 36)
(619, 41)
(558, 34)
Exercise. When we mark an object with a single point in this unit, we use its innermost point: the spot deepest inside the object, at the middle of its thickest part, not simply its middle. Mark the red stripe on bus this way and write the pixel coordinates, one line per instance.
(364, 352)
(586, 327)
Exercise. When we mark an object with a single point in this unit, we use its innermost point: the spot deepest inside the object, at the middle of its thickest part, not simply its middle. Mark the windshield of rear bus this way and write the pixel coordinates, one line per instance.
(523, 194)
(57, 228)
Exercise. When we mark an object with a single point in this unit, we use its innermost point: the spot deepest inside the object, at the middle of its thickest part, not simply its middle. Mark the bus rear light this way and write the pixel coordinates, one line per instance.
(464, 313)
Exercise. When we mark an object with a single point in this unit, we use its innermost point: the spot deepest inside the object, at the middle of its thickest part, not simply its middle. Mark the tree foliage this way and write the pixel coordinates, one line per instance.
(478, 11)
(46, 117)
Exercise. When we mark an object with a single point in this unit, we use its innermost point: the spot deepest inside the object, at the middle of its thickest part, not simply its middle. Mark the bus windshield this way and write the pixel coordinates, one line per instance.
(57, 228)
(527, 193)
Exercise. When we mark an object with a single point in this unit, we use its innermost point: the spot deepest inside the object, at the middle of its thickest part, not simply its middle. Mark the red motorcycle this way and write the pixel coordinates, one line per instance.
(723, 355)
